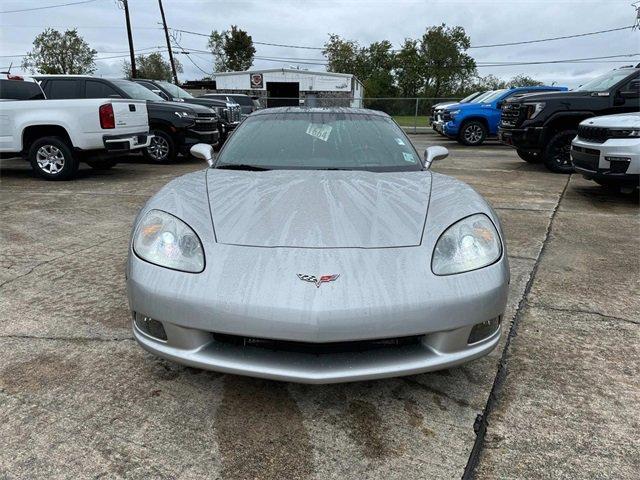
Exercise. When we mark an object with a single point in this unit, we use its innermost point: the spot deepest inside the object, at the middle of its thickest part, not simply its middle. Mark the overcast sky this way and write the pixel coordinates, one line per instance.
(308, 22)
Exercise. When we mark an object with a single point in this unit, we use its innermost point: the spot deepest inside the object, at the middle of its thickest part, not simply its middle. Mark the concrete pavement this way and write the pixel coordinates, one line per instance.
(79, 398)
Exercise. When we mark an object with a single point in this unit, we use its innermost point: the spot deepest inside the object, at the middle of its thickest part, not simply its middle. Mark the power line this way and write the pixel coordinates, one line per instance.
(549, 39)
(48, 6)
(552, 38)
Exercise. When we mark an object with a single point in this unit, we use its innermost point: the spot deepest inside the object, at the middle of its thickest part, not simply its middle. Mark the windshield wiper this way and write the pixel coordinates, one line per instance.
(242, 166)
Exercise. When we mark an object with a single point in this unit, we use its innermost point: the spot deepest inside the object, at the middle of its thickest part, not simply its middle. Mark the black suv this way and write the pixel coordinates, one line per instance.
(176, 127)
(229, 114)
(541, 126)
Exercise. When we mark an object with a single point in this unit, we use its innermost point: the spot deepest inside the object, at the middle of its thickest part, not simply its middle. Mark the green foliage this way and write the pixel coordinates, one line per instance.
(152, 66)
(232, 50)
(443, 59)
(523, 81)
(60, 53)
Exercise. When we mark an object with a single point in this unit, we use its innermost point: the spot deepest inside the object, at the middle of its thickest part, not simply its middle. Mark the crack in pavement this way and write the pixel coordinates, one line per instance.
(579, 310)
(68, 339)
(6, 282)
(482, 421)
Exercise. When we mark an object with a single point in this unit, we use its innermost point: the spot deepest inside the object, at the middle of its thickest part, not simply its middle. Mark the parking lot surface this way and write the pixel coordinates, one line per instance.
(557, 399)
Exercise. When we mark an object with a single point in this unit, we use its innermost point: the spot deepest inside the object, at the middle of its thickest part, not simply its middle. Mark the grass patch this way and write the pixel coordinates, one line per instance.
(408, 120)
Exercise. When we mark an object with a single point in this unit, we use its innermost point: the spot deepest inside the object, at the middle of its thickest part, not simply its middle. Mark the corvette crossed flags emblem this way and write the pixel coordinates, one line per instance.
(318, 280)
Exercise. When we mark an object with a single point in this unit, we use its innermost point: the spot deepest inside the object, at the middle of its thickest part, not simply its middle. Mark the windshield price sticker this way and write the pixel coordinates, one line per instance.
(319, 130)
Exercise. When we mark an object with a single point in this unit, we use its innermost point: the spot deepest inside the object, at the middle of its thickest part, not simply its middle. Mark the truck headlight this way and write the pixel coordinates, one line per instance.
(533, 109)
(625, 133)
(468, 244)
(165, 240)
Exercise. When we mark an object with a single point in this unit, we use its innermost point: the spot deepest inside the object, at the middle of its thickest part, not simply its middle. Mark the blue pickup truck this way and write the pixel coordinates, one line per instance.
(471, 123)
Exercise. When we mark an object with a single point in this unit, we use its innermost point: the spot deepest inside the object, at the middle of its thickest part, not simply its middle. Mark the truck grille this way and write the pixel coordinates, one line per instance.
(593, 134)
(235, 113)
(510, 115)
(205, 123)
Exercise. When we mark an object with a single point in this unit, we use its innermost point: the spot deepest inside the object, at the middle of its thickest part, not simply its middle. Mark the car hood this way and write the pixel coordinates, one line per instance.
(318, 209)
(549, 96)
(622, 120)
(177, 107)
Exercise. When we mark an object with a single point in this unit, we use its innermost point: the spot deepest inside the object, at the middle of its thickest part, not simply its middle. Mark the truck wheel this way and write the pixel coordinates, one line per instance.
(557, 153)
(101, 164)
(529, 156)
(472, 133)
(162, 149)
(52, 159)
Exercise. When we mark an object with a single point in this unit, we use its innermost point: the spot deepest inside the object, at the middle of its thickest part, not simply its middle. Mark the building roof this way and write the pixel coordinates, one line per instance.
(289, 70)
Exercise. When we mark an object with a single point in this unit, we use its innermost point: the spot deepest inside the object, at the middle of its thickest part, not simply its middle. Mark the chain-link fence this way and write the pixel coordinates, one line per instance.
(412, 113)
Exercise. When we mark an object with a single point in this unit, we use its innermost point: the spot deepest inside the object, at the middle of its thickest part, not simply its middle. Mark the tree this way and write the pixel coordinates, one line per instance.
(373, 65)
(152, 66)
(232, 50)
(444, 62)
(57, 53)
(343, 56)
(523, 81)
(409, 72)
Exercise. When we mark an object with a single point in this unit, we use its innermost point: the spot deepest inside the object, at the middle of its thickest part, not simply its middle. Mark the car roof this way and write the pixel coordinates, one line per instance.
(350, 110)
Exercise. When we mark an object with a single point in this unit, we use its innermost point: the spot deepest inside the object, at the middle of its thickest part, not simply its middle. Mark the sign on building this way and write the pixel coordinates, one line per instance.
(256, 81)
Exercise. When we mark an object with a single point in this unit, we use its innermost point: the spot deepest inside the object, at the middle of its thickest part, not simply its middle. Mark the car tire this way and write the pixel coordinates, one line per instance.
(557, 153)
(529, 156)
(472, 133)
(101, 164)
(162, 148)
(52, 159)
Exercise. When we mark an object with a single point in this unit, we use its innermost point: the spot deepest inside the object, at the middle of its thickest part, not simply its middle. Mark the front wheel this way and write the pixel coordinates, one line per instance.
(52, 159)
(557, 154)
(161, 149)
(472, 133)
(529, 156)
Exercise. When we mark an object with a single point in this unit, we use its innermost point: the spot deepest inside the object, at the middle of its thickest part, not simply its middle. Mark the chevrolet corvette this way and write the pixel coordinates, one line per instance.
(317, 247)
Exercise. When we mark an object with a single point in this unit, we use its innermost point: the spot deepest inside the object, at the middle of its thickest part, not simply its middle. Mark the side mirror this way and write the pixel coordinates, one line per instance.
(203, 151)
(434, 153)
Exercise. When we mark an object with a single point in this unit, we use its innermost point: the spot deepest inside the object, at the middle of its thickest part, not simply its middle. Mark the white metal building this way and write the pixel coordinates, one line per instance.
(289, 86)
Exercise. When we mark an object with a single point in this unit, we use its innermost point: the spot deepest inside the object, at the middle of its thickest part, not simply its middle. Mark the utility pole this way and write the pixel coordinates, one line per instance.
(134, 72)
(166, 34)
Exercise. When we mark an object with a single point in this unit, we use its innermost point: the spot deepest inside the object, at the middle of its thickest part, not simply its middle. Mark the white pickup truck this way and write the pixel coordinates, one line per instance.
(56, 135)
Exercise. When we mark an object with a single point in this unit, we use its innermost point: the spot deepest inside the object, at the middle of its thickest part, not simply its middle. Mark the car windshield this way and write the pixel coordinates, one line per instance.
(242, 100)
(174, 90)
(320, 141)
(604, 82)
(137, 91)
(492, 96)
(468, 98)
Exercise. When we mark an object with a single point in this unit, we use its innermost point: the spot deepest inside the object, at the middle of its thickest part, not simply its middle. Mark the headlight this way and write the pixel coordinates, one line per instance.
(625, 133)
(185, 115)
(468, 244)
(533, 109)
(165, 240)
(453, 113)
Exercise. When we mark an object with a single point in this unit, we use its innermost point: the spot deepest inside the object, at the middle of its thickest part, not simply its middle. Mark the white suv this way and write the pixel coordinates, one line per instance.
(607, 150)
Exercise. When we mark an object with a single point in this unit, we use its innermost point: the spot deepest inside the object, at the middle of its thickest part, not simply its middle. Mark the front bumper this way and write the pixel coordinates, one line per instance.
(126, 142)
(528, 139)
(234, 299)
(434, 351)
(594, 160)
(450, 128)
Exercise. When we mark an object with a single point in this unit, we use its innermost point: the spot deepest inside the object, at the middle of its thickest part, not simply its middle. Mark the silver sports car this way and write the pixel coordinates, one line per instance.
(317, 247)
